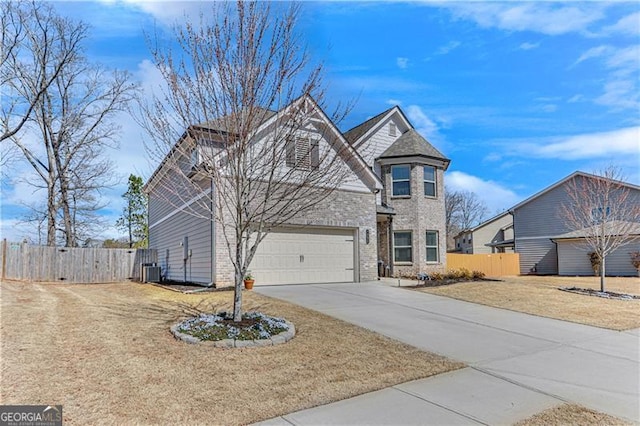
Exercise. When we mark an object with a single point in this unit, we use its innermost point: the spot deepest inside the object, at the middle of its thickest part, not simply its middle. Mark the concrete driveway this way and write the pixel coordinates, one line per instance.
(519, 364)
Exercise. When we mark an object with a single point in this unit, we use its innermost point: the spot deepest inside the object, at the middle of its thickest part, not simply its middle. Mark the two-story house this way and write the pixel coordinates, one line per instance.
(410, 207)
(388, 217)
(547, 244)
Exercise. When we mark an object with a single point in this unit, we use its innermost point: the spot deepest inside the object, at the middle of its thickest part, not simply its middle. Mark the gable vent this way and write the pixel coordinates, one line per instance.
(392, 129)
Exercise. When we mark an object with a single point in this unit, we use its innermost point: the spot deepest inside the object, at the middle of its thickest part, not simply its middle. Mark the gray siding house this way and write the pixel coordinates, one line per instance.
(389, 217)
(535, 229)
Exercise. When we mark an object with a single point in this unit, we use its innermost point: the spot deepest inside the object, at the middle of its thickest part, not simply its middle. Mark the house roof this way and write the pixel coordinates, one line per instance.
(219, 123)
(410, 144)
(616, 227)
(562, 182)
(217, 126)
(352, 135)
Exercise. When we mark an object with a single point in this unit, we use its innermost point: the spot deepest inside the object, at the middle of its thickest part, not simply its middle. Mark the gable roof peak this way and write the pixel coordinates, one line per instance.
(410, 144)
(354, 134)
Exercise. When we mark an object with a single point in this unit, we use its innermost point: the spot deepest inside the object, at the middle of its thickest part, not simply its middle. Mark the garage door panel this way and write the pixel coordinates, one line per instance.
(305, 256)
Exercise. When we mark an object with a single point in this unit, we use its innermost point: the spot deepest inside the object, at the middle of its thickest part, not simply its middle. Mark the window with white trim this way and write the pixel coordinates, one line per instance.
(401, 180)
(302, 152)
(429, 181)
(402, 247)
(432, 246)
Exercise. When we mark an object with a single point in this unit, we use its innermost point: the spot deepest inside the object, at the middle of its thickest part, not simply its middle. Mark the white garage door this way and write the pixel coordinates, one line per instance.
(304, 256)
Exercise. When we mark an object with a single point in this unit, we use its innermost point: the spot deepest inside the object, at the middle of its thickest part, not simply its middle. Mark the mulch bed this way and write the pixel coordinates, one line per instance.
(449, 281)
(598, 293)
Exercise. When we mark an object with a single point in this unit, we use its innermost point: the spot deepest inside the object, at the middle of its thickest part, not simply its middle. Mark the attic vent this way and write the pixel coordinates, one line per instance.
(392, 129)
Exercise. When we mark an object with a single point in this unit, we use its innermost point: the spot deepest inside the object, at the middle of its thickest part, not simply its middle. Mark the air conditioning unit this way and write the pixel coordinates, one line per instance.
(151, 274)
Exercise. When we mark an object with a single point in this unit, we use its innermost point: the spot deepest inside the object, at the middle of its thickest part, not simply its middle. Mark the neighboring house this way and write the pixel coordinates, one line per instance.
(492, 236)
(535, 229)
(390, 213)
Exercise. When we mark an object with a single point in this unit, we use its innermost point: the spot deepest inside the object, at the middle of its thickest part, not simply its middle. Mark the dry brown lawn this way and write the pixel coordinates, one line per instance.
(539, 295)
(570, 414)
(106, 354)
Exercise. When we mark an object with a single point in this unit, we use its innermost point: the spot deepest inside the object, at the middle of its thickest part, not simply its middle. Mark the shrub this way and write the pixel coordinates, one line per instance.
(635, 259)
(477, 275)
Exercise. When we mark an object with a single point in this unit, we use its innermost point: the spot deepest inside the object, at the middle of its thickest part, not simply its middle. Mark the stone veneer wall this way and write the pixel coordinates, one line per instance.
(418, 213)
(343, 209)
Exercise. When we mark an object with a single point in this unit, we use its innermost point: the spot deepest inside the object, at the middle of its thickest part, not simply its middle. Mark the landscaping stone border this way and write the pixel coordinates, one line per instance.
(597, 293)
(278, 339)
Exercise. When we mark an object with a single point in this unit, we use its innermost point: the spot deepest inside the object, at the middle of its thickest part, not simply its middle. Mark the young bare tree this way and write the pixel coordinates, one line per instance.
(258, 150)
(604, 211)
(71, 122)
(463, 210)
(36, 44)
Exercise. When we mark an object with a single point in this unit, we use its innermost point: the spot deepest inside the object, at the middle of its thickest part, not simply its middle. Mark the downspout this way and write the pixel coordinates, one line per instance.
(390, 245)
(513, 224)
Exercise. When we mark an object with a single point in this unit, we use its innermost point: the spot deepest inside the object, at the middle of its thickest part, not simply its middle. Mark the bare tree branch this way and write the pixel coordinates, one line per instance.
(603, 211)
(258, 150)
(73, 104)
(36, 45)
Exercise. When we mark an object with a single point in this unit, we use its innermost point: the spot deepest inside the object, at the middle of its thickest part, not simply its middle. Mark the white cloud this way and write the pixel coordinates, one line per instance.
(423, 124)
(575, 98)
(594, 52)
(394, 102)
(629, 24)
(443, 50)
(620, 94)
(625, 60)
(495, 195)
(549, 108)
(402, 63)
(541, 17)
(620, 90)
(529, 46)
(170, 12)
(621, 143)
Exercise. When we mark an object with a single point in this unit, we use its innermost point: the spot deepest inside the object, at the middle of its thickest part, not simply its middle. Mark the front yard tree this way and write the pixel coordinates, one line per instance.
(602, 210)
(134, 214)
(239, 67)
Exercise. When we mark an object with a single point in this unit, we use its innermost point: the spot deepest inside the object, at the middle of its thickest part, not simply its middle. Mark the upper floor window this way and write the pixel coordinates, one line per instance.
(392, 129)
(600, 214)
(402, 246)
(401, 180)
(430, 181)
(302, 153)
(432, 246)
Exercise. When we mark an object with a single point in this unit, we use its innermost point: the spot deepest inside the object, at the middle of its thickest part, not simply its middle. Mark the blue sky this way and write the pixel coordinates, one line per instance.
(518, 95)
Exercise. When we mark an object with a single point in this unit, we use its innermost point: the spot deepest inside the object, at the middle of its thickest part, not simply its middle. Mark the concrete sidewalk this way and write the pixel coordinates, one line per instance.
(519, 364)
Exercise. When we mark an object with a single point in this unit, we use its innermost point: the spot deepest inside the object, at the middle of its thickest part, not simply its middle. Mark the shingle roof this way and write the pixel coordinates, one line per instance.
(355, 133)
(411, 143)
(615, 227)
(218, 123)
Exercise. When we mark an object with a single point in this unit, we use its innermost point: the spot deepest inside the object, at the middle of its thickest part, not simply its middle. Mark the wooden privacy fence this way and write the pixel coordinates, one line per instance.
(493, 265)
(21, 261)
